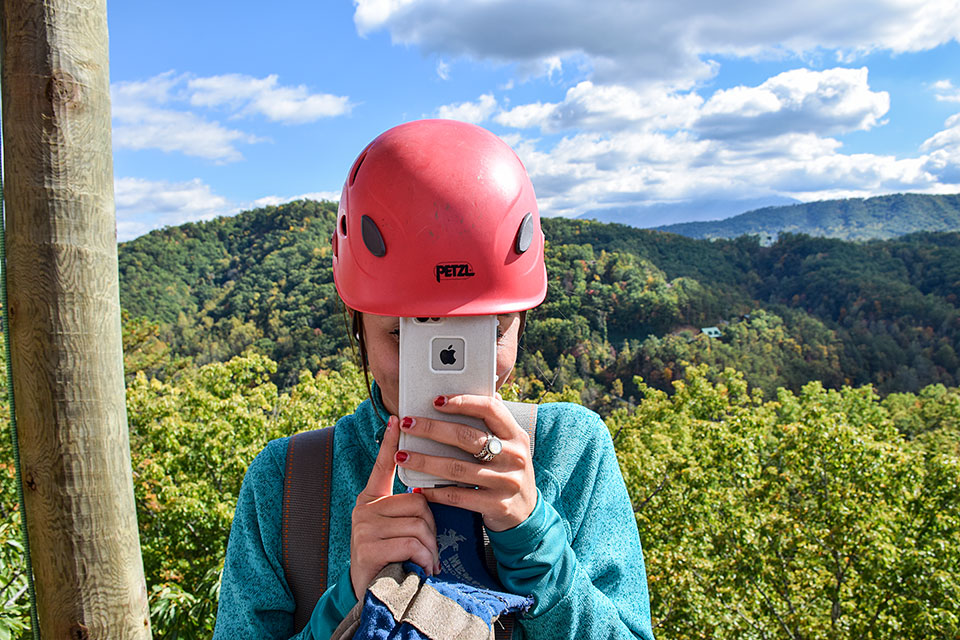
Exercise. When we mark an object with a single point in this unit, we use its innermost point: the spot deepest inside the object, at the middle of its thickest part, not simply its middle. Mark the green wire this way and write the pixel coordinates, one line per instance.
(34, 618)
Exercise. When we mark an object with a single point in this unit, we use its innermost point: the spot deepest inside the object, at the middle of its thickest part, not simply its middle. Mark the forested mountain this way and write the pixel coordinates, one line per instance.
(262, 279)
(621, 302)
(824, 510)
(820, 511)
(881, 217)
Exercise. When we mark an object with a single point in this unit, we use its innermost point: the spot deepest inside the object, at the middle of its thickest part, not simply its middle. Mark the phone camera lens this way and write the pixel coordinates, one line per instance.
(423, 320)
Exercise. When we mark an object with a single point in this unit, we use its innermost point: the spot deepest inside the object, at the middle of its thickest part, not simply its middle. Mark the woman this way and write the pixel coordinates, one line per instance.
(439, 218)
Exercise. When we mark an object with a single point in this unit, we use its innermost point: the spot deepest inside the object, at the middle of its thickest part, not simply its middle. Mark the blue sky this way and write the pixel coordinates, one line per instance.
(644, 110)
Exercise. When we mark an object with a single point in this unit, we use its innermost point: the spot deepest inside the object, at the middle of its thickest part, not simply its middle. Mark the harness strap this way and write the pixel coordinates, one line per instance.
(305, 527)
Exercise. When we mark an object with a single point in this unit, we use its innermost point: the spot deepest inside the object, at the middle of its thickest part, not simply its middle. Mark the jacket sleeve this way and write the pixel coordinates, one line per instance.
(255, 600)
(579, 552)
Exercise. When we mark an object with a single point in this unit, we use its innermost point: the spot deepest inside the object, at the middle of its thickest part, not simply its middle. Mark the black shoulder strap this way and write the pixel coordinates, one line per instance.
(305, 527)
(305, 530)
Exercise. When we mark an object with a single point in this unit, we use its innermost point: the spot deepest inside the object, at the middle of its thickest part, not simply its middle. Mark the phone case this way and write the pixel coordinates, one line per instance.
(443, 356)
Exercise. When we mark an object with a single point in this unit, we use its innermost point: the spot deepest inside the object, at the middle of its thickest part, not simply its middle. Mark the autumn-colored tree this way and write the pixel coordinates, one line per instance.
(192, 440)
(817, 514)
(809, 516)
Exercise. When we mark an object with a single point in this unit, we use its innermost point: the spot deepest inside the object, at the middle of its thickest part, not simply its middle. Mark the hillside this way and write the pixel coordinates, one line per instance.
(261, 279)
(621, 302)
(882, 217)
(789, 490)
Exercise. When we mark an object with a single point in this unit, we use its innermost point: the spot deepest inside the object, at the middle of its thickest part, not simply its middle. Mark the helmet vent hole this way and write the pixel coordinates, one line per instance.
(372, 237)
(525, 234)
(356, 169)
(343, 225)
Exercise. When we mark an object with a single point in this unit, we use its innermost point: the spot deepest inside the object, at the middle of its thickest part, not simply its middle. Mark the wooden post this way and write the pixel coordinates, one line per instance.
(64, 308)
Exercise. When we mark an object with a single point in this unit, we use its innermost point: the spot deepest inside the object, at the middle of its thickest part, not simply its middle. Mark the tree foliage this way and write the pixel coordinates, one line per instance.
(621, 302)
(261, 280)
(818, 514)
(15, 613)
(796, 477)
(192, 439)
(808, 516)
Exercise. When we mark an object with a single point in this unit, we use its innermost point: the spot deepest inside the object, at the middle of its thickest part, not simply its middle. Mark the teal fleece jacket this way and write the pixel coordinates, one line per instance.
(578, 553)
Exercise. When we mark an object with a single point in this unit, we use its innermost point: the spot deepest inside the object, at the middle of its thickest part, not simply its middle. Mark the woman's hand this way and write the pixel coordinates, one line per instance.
(386, 527)
(507, 490)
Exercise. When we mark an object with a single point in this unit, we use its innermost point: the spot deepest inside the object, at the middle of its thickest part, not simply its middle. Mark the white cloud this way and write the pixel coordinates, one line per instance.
(143, 205)
(949, 138)
(248, 95)
(272, 201)
(551, 65)
(157, 90)
(443, 70)
(141, 127)
(946, 92)
(630, 146)
(527, 115)
(825, 102)
(165, 112)
(142, 119)
(473, 112)
(588, 106)
(800, 101)
(232, 89)
(593, 171)
(943, 148)
(371, 14)
(636, 122)
(648, 40)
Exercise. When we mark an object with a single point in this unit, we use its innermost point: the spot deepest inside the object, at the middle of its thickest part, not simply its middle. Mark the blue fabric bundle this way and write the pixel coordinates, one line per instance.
(405, 604)
(463, 601)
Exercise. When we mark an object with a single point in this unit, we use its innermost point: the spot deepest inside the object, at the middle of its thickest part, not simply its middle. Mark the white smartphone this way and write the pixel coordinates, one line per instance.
(443, 356)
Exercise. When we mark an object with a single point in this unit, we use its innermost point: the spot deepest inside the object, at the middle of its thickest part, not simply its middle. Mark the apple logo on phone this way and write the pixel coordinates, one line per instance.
(447, 354)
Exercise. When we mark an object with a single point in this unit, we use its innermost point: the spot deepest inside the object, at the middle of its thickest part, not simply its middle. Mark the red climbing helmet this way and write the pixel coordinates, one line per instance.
(438, 218)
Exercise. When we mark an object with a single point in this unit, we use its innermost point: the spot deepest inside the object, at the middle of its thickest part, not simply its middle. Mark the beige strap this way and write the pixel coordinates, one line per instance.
(525, 414)
(421, 606)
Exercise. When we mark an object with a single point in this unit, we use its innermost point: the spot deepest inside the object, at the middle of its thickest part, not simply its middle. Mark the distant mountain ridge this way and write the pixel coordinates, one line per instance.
(880, 217)
(620, 302)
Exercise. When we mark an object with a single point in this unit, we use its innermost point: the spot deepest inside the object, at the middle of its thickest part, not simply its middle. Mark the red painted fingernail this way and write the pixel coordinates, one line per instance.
(401, 456)
(417, 490)
(407, 422)
(439, 401)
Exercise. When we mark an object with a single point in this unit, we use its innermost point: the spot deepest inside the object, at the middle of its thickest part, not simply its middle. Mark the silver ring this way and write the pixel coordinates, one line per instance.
(492, 446)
